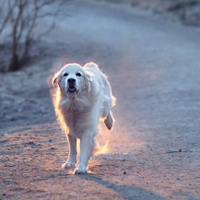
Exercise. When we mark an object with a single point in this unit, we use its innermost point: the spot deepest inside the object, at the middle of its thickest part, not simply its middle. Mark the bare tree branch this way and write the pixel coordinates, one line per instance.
(22, 17)
(9, 13)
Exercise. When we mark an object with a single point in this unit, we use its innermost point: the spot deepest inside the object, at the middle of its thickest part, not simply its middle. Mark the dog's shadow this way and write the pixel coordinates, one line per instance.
(126, 191)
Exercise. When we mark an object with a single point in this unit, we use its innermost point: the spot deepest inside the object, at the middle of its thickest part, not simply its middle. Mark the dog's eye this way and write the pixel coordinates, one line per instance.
(78, 74)
(65, 74)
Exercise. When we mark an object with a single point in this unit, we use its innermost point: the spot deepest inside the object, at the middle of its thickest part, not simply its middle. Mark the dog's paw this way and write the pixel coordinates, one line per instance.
(80, 170)
(68, 165)
(109, 121)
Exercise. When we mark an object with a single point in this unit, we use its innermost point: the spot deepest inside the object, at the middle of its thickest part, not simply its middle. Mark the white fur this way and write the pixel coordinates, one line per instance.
(82, 110)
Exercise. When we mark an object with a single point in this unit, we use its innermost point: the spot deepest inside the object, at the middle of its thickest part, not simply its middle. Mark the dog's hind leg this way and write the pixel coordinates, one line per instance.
(109, 121)
(71, 162)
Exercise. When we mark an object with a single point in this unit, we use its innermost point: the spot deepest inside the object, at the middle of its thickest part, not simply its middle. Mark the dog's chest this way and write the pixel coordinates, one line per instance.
(76, 113)
(75, 123)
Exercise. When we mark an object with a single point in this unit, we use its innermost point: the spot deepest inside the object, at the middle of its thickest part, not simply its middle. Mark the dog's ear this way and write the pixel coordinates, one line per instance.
(90, 65)
(87, 81)
(88, 77)
(55, 79)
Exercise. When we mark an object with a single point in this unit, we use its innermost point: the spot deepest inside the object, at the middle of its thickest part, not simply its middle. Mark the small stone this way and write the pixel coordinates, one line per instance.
(31, 143)
(124, 173)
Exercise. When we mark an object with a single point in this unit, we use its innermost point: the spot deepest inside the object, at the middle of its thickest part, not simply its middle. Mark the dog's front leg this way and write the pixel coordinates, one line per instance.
(86, 147)
(71, 162)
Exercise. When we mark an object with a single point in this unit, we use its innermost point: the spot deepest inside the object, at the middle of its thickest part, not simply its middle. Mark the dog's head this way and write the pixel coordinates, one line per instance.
(72, 79)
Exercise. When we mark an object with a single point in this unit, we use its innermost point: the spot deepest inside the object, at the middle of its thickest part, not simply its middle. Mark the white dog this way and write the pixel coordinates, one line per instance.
(84, 97)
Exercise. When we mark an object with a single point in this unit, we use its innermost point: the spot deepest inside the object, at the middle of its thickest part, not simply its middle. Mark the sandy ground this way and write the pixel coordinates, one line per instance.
(153, 67)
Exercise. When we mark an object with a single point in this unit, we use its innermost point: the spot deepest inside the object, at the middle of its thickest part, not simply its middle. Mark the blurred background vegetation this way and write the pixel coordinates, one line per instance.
(19, 21)
(18, 29)
(188, 11)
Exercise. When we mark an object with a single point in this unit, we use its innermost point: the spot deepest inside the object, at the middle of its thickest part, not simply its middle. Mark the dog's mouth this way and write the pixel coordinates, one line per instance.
(72, 90)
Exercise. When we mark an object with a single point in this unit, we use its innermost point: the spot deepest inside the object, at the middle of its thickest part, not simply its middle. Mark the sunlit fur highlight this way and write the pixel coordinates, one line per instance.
(102, 149)
(56, 101)
(101, 140)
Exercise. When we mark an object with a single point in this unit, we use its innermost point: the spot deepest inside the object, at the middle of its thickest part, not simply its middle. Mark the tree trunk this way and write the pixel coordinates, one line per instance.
(14, 64)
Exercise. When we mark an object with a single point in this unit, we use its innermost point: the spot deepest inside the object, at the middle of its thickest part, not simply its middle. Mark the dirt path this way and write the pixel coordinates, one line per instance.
(153, 67)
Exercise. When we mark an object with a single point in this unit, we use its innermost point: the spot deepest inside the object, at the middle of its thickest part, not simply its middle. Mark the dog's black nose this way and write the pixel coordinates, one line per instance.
(71, 81)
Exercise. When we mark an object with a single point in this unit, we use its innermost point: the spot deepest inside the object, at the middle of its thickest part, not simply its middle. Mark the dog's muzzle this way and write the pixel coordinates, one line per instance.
(71, 86)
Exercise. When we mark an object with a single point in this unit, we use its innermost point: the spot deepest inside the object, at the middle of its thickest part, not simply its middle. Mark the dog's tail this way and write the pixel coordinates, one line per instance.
(109, 121)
